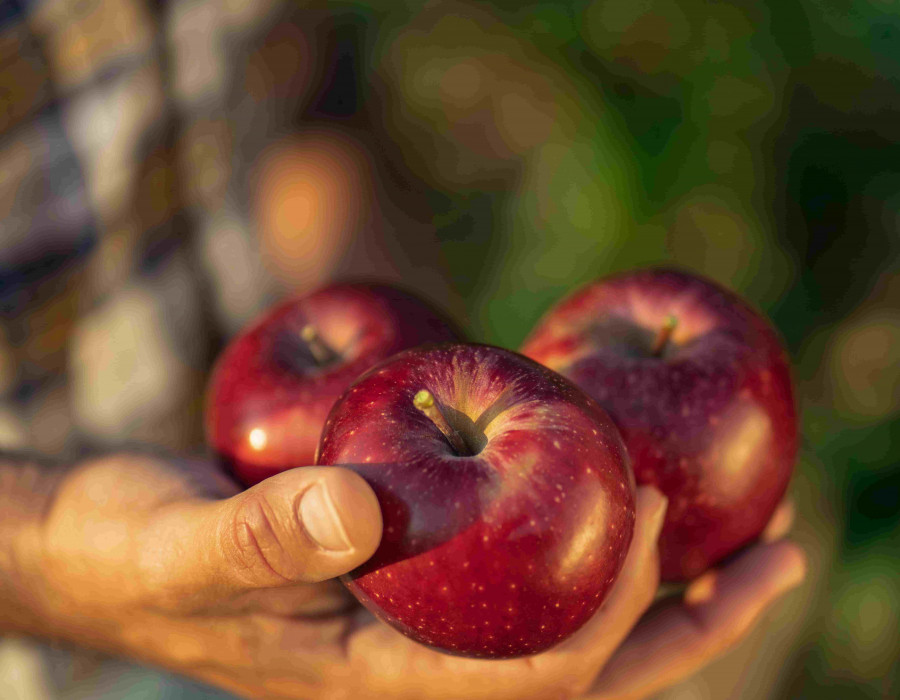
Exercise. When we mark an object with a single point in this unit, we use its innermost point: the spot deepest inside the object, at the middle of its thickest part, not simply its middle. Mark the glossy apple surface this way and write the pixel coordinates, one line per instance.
(270, 393)
(502, 549)
(707, 414)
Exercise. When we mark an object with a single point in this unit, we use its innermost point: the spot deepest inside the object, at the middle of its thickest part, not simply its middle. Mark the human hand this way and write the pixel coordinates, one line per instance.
(681, 634)
(623, 651)
(145, 559)
(168, 562)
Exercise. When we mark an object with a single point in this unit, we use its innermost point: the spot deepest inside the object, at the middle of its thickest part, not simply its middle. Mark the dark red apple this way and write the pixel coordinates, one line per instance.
(700, 387)
(507, 498)
(273, 386)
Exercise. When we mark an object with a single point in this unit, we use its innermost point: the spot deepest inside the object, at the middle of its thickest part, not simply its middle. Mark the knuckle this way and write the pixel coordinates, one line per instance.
(575, 685)
(256, 542)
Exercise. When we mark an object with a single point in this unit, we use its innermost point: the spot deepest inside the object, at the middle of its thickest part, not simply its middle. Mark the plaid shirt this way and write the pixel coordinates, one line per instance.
(125, 249)
(129, 133)
(124, 244)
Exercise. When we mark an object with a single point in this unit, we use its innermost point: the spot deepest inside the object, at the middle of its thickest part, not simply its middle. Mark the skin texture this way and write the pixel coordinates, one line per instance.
(139, 555)
(289, 637)
(268, 396)
(500, 553)
(710, 422)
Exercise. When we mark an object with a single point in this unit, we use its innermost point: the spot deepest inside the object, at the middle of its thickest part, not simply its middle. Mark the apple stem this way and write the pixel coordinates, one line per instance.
(662, 338)
(424, 401)
(321, 351)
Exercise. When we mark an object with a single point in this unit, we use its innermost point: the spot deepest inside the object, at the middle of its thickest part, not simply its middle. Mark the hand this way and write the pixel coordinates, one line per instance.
(622, 652)
(169, 563)
(679, 635)
(145, 558)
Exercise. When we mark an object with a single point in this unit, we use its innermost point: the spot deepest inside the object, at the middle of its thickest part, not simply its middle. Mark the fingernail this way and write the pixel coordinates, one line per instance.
(321, 517)
(793, 577)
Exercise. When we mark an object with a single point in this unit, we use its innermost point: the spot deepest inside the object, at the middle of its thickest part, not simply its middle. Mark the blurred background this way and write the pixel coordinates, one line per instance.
(168, 168)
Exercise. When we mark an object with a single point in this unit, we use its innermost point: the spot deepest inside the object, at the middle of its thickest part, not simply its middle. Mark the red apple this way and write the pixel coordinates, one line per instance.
(274, 384)
(507, 498)
(700, 387)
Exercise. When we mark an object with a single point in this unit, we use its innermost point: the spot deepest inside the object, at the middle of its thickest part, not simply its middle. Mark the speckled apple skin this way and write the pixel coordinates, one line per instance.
(712, 423)
(500, 554)
(267, 381)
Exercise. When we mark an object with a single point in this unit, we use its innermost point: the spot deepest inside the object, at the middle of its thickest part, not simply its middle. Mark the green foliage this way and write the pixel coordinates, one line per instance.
(753, 142)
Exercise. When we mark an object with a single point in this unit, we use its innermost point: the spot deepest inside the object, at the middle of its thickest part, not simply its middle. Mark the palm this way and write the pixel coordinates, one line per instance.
(133, 528)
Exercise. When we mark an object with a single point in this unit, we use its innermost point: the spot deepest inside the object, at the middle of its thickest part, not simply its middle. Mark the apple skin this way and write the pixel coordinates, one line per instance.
(502, 553)
(268, 398)
(711, 422)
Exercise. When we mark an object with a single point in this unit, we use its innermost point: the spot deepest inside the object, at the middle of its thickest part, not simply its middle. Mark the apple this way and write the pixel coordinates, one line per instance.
(700, 387)
(273, 386)
(507, 498)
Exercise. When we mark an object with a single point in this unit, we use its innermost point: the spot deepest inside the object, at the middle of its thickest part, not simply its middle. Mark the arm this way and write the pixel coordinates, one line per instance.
(26, 492)
(167, 562)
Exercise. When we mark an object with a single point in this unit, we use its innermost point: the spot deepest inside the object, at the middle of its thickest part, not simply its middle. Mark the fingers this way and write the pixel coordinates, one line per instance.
(719, 608)
(311, 600)
(633, 591)
(780, 523)
(304, 525)
(393, 666)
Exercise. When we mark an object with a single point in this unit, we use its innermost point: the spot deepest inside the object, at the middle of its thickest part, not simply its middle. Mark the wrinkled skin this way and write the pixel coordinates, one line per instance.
(163, 561)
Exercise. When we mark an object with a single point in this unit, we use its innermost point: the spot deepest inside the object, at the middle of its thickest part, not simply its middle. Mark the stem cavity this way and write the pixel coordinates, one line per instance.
(662, 338)
(321, 351)
(424, 401)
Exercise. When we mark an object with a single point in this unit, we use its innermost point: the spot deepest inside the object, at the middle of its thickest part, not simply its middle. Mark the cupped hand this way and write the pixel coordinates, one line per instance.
(681, 634)
(624, 651)
(169, 563)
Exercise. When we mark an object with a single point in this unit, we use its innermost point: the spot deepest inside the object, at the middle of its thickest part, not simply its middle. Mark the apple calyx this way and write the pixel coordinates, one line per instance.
(322, 353)
(424, 401)
(663, 336)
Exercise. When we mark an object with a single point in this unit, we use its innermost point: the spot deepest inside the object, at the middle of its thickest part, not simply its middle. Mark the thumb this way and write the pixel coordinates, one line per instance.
(301, 526)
